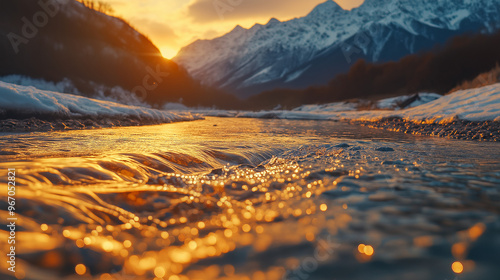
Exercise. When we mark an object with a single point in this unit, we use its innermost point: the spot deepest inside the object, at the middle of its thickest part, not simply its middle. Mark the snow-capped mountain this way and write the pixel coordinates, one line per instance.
(311, 50)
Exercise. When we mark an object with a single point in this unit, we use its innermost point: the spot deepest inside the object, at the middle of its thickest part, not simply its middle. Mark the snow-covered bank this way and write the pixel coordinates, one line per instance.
(24, 102)
(480, 104)
(393, 103)
(323, 111)
(472, 114)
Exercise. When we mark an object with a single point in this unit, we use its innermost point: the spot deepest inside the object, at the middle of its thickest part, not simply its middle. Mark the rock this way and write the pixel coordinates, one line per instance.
(342, 145)
(384, 149)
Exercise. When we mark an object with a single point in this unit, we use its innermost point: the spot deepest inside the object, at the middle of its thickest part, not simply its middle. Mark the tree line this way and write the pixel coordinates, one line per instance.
(99, 6)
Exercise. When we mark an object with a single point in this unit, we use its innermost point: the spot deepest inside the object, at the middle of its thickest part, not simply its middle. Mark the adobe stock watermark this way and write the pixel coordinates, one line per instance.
(48, 9)
(225, 6)
(150, 82)
(324, 250)
(12, 219)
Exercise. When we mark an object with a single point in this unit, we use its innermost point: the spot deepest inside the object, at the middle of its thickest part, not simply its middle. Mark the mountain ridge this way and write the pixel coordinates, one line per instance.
(311, 50)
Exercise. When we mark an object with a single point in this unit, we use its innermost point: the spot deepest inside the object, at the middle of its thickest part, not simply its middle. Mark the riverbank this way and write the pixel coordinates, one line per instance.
(27, 109)
(37, 125)
(472, 114)
(458, 129)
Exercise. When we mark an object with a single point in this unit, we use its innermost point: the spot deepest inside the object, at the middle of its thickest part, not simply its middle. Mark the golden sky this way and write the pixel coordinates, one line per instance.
(172, 24)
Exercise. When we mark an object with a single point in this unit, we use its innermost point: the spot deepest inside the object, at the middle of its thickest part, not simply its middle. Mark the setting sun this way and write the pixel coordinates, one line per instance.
(168, 52)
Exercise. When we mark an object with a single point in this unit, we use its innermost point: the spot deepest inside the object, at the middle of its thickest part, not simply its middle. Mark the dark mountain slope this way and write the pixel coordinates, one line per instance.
(64, 39)
(438, 71)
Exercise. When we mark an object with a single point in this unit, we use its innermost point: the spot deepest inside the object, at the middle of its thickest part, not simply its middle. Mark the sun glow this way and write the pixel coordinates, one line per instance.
(168, 52)
(172, 30)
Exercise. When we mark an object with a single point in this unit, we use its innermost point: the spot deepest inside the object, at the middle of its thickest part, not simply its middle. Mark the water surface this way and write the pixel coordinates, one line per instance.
(228, 198)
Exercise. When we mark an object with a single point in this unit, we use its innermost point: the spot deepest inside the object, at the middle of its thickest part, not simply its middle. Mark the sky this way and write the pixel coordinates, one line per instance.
(172, 24)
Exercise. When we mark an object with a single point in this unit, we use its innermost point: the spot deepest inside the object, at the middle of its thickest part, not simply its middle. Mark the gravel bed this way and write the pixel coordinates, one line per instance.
(38, 125)
(459, 129)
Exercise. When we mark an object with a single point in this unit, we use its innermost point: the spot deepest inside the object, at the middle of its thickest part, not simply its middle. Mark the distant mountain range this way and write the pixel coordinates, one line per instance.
(64, 40)
(313, 49)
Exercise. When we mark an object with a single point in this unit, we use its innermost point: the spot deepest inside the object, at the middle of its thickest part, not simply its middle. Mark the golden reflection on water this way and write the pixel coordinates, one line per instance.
(200, 224)
(175, 210)
(457, 267)
(205, 226)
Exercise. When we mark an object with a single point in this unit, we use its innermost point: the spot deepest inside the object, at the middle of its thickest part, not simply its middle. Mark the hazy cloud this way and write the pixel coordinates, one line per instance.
(217, 10)
(156, 29)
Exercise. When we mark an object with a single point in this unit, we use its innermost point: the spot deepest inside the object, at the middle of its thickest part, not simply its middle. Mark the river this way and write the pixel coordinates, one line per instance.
(253, 199)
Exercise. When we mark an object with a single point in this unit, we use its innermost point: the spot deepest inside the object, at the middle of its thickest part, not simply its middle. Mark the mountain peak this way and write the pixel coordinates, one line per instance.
(378, 2)
(237, 29)
(326, 8)
(383, 3)
(272, 21)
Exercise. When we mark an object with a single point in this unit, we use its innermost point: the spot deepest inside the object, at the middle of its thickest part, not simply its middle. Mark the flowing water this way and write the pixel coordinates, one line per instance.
(251, 199)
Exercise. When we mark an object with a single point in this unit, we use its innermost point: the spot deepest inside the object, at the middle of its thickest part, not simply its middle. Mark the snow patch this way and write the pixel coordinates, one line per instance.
(115, 94)
(65, 86)
(331, 107)
(396, 103)
(480, 104)
(31, 101)
(296, 74)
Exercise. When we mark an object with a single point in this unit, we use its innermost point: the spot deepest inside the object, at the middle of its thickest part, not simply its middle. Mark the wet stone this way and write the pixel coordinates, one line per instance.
(385, 149)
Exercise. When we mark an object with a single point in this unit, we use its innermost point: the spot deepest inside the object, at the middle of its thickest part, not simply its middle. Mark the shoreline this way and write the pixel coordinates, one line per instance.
(459, 129)
(34, 124)
(487, 131)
